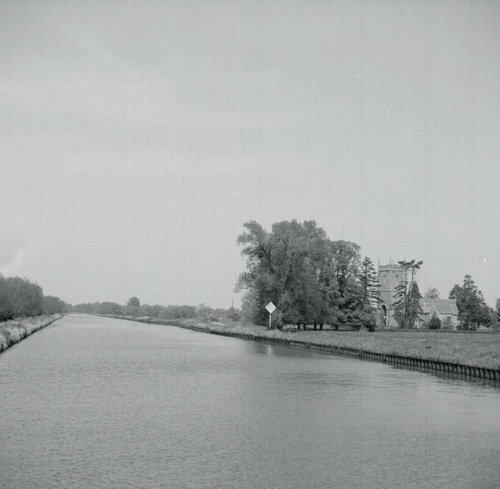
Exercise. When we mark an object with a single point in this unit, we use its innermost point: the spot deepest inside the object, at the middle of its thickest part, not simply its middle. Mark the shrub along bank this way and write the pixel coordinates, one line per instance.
(13, 331)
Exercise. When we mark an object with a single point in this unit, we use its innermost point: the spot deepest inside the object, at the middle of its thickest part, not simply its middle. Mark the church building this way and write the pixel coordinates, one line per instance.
(389, 276)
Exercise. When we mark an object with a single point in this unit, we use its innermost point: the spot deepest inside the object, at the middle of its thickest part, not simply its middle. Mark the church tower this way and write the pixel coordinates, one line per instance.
(389, 276)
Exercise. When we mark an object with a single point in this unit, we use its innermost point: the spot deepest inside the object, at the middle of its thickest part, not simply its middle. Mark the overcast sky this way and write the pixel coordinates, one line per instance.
(136, 138)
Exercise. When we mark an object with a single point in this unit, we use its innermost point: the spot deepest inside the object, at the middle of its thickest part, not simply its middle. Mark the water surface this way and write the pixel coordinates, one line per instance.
(102, 403)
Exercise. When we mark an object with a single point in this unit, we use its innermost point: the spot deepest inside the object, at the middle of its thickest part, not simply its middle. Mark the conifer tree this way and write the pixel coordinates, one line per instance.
(407, 304)
(368, 280)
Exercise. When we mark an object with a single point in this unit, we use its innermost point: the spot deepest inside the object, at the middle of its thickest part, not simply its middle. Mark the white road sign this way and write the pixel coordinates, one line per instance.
(270, 308)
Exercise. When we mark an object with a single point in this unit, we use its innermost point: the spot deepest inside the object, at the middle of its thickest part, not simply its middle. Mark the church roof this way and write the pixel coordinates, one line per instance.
(442, 306)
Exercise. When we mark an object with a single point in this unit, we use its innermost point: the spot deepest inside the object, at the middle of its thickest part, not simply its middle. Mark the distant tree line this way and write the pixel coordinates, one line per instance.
(22, 297)
(134, 308)
(311, 279)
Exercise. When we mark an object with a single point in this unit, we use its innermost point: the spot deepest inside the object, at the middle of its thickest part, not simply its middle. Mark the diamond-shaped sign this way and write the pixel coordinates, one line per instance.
(270, 308)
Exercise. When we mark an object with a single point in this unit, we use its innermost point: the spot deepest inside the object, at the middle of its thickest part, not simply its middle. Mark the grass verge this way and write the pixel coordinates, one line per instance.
(473, 349)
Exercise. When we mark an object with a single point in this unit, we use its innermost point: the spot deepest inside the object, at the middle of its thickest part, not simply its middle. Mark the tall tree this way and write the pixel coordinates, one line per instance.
(25, 296)
(414, 308)
(259, 276)
(407, 308)
(368, 280)
(345, 262)
(6, 309)
(472, 309)
(407, 304)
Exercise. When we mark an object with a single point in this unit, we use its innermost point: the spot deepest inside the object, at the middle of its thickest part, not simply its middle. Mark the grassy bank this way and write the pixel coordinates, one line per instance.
(472, 349)
(12, 332)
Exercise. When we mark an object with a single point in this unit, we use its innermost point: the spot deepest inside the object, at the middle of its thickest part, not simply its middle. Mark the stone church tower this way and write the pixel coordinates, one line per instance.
(389, 277)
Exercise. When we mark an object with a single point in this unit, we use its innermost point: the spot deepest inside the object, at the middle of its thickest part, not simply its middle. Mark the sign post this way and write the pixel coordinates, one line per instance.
(270, 309)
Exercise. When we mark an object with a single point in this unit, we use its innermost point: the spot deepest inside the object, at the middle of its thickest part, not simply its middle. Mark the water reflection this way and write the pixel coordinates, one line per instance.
(452, 377)
(283, 351)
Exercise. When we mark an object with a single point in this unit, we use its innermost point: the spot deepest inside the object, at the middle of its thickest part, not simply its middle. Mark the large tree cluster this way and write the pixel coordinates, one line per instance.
(310, 278)
(22, 297)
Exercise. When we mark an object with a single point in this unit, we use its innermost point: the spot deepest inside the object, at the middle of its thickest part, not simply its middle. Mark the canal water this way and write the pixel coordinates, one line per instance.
(102, 403)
